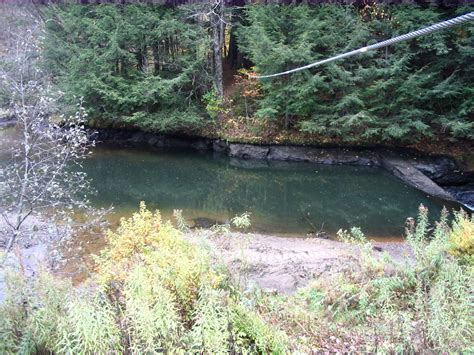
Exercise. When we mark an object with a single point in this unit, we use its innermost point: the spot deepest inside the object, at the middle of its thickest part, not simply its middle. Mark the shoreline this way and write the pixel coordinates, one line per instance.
(285, 264)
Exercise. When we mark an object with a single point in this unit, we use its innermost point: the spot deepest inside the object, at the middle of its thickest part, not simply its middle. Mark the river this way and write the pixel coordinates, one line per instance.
(285, 198)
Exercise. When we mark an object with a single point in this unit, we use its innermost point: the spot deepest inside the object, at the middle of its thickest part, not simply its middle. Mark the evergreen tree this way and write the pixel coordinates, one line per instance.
(405, 92)
(134, 65)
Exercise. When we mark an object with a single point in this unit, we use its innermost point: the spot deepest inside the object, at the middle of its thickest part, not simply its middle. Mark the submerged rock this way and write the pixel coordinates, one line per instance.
(204, 222)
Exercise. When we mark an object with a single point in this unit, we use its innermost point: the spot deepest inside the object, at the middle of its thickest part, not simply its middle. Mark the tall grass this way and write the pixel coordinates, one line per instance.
(423, 304)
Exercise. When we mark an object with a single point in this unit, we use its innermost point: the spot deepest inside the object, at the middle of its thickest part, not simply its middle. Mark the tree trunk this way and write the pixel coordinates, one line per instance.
(144, 60)
(156, 58)
(217, 38)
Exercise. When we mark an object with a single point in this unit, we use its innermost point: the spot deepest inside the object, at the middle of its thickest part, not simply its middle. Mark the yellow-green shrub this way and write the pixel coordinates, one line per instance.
(144, 239)
(150, 315)
(154, 292)
(210, 332)
(461, 238)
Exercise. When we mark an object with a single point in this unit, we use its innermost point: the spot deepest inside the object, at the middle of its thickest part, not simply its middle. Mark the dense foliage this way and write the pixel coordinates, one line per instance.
(144, 66)
(151, 67)
(154, 292)
(414, 89)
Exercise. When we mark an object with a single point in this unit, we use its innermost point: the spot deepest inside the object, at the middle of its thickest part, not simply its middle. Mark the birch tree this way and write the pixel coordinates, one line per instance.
(42, 178)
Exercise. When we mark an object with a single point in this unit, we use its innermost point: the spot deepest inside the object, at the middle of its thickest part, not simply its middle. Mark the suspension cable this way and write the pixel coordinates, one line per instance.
(424, 31)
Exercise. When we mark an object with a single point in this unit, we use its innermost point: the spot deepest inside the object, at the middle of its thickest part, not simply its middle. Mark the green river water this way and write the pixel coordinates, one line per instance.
(282, 197)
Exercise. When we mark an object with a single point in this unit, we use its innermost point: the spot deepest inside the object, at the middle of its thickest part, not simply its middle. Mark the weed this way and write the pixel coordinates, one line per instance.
(242, 221)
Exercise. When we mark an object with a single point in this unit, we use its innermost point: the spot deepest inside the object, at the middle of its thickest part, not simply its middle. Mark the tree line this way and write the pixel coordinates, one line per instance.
(161, 68)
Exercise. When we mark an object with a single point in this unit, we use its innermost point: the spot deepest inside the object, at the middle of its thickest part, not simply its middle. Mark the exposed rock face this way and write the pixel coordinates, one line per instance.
(435, 175)
(456, 178)
(409, 173)
(327, 156)
(220, 146)
(463, 194)
(435, 167)
(248, 151)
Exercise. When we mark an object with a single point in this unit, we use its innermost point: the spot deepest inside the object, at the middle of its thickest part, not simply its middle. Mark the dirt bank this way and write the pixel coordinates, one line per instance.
(286, 264)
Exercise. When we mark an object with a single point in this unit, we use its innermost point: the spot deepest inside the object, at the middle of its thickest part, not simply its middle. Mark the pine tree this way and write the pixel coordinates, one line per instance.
(134, 65)
(406, 92)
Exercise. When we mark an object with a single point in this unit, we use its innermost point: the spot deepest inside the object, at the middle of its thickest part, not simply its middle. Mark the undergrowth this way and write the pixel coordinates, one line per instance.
(153, 292)
(157, 291)
(420, 305)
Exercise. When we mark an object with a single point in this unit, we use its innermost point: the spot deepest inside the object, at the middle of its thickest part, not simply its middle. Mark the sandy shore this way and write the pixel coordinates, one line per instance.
(286, 264)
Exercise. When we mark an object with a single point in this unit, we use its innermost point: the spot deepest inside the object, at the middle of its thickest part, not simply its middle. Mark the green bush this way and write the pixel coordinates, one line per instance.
(422, 304)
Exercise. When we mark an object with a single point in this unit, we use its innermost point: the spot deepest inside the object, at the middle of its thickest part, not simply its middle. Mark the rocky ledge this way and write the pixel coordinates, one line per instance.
(436, 175)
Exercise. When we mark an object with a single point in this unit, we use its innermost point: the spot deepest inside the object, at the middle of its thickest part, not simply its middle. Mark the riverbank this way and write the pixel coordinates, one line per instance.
(255, 292)
(284, 265)
(255, 260)
(437, 175)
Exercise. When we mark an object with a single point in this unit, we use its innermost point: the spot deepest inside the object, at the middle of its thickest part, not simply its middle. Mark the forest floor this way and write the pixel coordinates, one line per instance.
(284, 264)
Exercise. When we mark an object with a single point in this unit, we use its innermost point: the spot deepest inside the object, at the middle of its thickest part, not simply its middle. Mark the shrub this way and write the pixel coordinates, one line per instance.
(89, 326)
(214, 103)
(251, 331)
(242, 221)
(420, 305)
(461, 238)
(154, 292)
(47, 314)
(210, 333)
(151, 316)
(145, 240)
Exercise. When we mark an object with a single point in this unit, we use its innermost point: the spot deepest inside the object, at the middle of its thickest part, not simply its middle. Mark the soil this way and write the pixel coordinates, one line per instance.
(277, 264)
